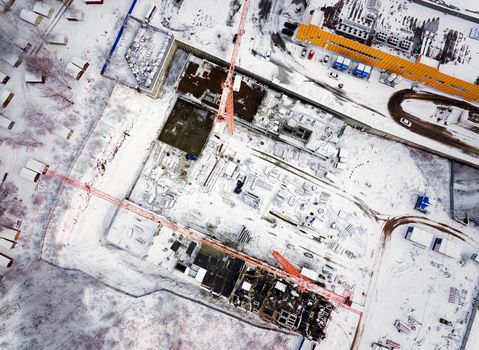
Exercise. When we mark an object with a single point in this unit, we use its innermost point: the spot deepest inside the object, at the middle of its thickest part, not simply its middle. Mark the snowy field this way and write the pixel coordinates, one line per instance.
(66, 309)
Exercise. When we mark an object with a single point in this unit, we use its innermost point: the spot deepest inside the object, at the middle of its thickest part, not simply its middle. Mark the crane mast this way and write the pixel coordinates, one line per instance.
(226, 108)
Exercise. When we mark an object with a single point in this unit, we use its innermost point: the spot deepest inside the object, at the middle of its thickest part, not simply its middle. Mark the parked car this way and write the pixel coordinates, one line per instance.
(407, 123)
(291, 26)
(333, 75)
(303, 53)
(325, 59)
(311, 54)
(287, 32)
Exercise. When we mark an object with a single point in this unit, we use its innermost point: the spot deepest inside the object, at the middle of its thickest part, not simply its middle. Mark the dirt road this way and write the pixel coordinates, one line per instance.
(424, 128)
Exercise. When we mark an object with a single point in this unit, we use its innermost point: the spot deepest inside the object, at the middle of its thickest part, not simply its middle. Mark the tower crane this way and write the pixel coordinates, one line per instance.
(288, 275)
(226, 108)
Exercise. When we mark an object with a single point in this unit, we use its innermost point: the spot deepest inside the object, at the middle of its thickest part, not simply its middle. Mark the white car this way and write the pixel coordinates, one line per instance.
(333, 75)
(325, 60)
(407, 123)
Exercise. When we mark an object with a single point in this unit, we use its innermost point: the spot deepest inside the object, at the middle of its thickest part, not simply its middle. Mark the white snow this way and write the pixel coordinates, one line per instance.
(122, 303)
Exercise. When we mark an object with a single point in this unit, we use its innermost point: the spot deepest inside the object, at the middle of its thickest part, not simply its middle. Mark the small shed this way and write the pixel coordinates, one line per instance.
(57, 39)
(64, 132)
(4, 78)
(150, 12)
(74, 15)
(7, 244)
(447, 248)
(36, 166)
(29, 175)
(93, 2)
(22, 44)
(5, 97)
(6, 123)
(30, 17)
(34, 78)
(79, 62)
(5, 261)
(12, 58)
(9, 233)
(419, 237)
(43, 9)
(74, 71)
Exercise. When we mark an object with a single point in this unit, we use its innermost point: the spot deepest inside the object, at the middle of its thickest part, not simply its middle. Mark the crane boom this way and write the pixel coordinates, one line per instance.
(201, 238)
(287, 266)
(226, 108)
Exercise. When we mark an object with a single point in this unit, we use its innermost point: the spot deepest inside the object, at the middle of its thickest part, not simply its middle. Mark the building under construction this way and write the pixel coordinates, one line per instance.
(282, 303)
(253, 289)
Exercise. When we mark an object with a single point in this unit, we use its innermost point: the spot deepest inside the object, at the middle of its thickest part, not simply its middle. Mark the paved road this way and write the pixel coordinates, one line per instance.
(424, 128)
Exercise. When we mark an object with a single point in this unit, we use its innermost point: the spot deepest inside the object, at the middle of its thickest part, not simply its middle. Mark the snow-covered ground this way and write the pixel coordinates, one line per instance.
(114, 129)
(414, 286)
(53, 308)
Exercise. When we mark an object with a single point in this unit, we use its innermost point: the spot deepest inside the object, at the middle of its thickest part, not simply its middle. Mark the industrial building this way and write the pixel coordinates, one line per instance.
(415, 71)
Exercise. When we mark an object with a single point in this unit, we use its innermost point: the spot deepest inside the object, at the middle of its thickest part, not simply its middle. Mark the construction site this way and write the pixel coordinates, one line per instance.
(226, 172)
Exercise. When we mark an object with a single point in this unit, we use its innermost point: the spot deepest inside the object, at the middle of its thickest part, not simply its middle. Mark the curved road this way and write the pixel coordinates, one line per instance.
(424, 128)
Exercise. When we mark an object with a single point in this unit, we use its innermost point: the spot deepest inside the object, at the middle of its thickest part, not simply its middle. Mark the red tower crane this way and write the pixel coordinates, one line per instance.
(293, 277)
(226, 108)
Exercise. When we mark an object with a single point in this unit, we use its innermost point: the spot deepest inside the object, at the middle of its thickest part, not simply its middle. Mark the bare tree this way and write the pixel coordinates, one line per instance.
(41, 123)
(10, 203)
(56, 86)
(24, 139)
